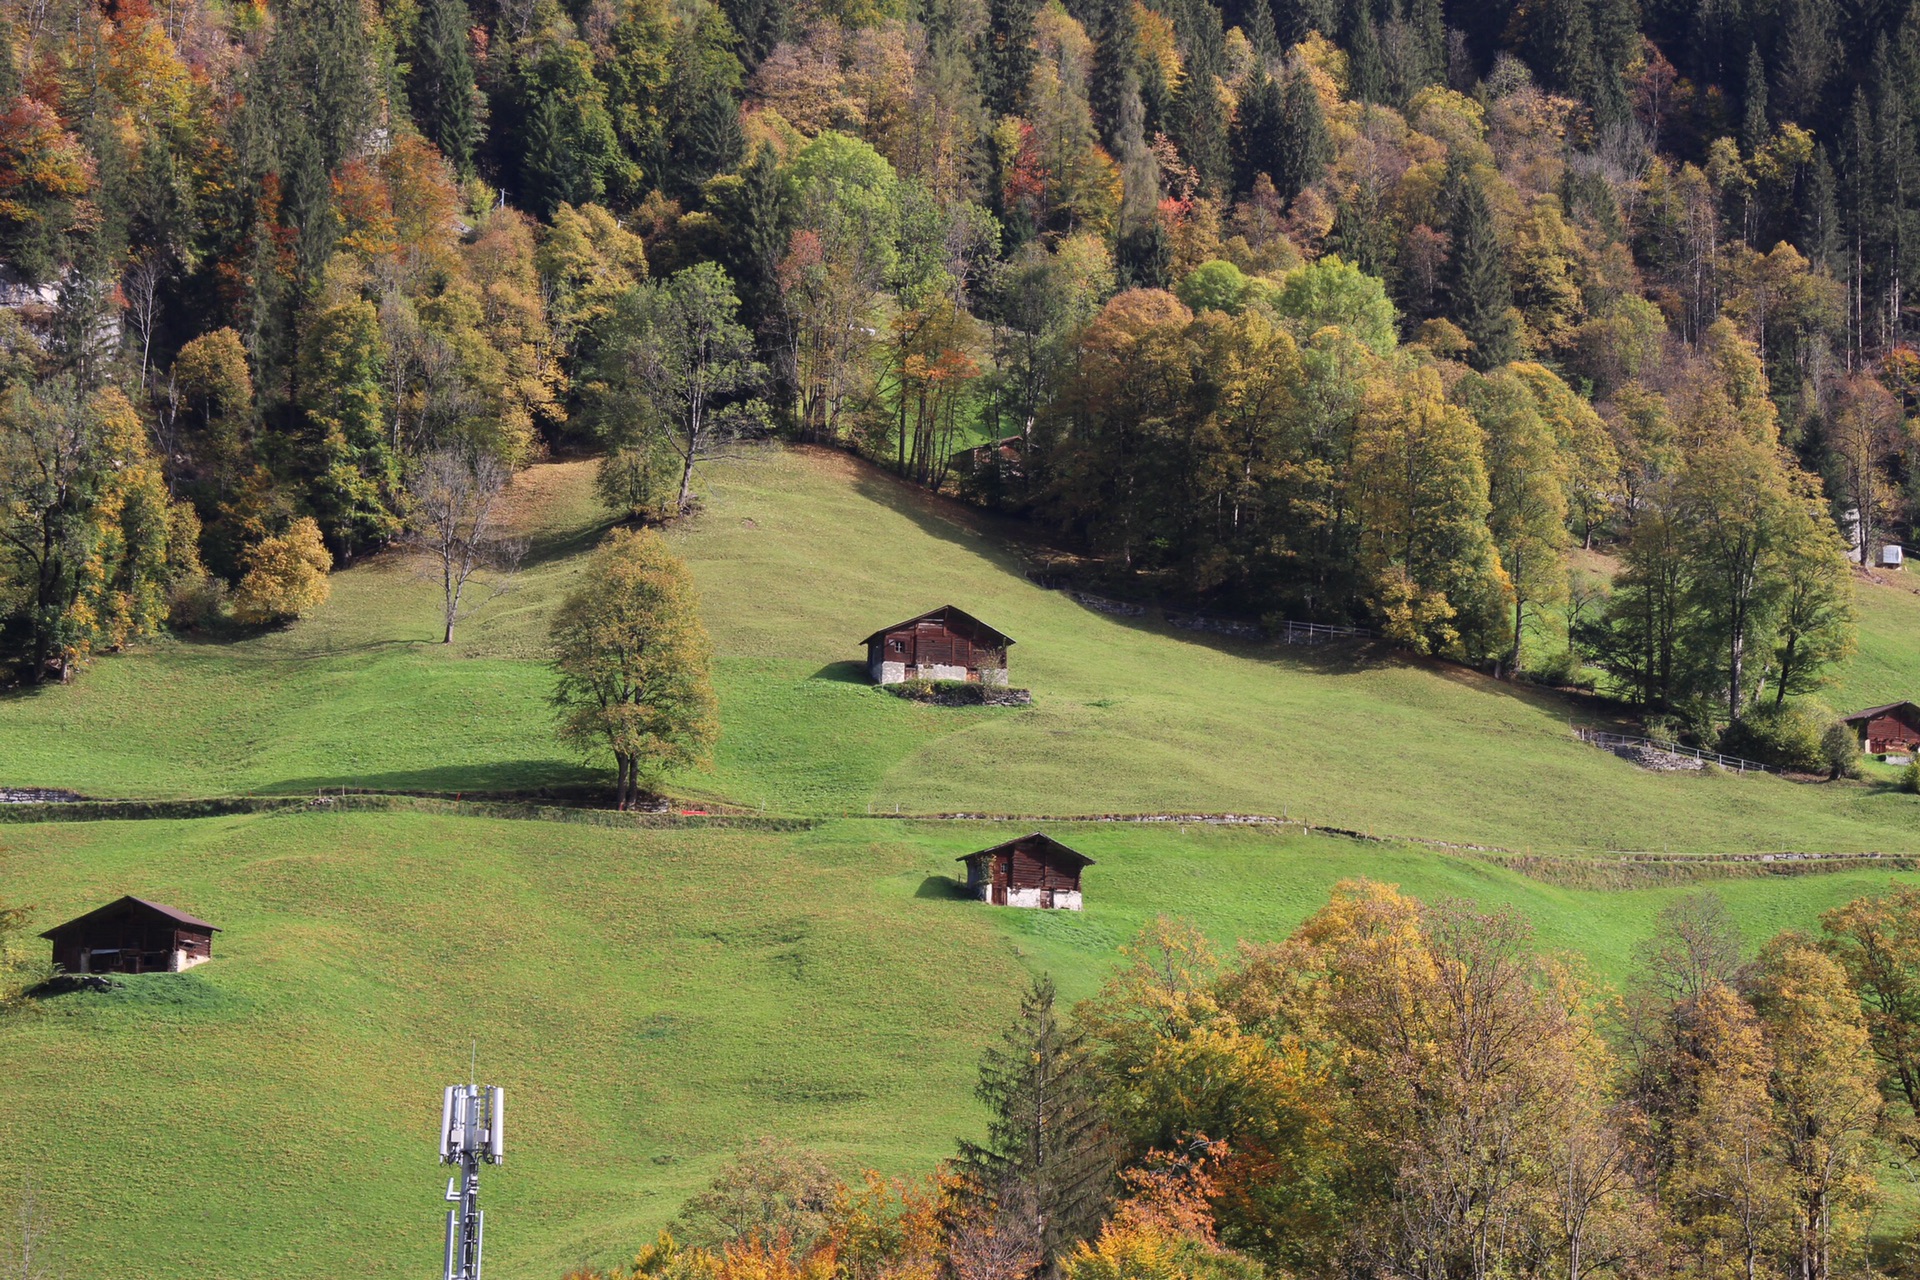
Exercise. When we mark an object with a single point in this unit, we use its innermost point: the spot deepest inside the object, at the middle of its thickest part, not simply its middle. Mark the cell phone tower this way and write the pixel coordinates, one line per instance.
(472, 1129)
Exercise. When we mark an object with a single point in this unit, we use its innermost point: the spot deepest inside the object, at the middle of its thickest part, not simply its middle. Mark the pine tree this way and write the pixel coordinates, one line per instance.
(1048, 1150)
(1366, 71)
(1258, 132)
(1144, 257)
(1806, 56)
(440, 81)
(1480, 297)
(1006, 55)
(1753, 127)
(1109, 24)
(1430, 38)
(1819, 212)
(1199, 120)
(1560, 47)
(1294, 20)
(1262, 32)
(1306, 148)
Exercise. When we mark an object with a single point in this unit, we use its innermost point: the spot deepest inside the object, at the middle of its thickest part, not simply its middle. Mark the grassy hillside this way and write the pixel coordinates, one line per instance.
(650, 999)
(799, 555)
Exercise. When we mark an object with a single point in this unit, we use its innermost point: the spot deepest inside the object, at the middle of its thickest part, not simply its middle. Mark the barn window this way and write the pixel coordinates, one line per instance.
(899, 646)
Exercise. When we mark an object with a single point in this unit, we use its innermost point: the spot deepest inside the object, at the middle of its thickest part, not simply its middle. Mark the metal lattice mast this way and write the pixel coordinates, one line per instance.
(472, 1130)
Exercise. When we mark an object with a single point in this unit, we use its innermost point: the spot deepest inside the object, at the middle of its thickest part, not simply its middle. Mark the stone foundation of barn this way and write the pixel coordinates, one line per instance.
(896, 672)
(1057, 899)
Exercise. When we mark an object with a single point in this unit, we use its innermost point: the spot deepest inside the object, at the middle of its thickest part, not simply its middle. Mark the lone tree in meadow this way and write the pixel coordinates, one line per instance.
(454, 499)
(635, 662)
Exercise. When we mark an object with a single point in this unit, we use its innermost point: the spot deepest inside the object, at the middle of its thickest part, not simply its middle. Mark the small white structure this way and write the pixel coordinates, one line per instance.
(1892, 557)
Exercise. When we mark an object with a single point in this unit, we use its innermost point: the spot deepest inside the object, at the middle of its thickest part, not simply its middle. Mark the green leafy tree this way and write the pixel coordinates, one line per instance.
(85, 530)
(559, 142)
(677, 351)
(1421, 485)
(1330, 291)
(1526, 487)
(634, 663)
(353, 469)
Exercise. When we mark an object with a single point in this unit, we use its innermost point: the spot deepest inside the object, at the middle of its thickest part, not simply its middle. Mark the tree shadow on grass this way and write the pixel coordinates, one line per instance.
(564, 544)
(843, 673)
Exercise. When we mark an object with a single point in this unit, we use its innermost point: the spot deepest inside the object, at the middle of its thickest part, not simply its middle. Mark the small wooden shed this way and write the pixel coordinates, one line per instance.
(131, 936)
(1033, 871)
(1894, 727)
(944, 644)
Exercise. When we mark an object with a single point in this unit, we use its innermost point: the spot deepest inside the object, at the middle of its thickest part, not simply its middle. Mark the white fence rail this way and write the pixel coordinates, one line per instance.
(1614, 741)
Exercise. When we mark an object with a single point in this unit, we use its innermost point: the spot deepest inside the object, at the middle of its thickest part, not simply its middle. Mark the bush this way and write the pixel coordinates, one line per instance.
(1842, 750)
(1787, 737)
(286, 576)
(1561, 669)
(198, 600)
(1910, 778)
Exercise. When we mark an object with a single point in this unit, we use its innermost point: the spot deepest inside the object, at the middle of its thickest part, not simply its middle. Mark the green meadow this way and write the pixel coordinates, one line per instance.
(653, 997)
(801, 554)
(650, 999)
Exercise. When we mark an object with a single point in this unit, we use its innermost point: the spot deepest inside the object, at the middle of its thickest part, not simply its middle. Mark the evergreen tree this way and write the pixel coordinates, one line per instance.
(1818, 234)
(1362, 234)
(1479, 295)
(1109, 24)
(1366, 70)
(1144, 257)
(1006, 55)
(1753, 127)
(1294, 20)
(1049, 1154)
(1806, 57)
(760, 24)
(1199, 120)
(1559, 46)
(1262, 32)
(1430, 39)
(440, 81)
(1306, 148)
(1258, 131)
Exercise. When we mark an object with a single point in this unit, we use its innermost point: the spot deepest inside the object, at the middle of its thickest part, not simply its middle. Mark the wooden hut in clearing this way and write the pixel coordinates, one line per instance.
(1894, 727)
(1033, 871)
(945, 644)
(131, 936)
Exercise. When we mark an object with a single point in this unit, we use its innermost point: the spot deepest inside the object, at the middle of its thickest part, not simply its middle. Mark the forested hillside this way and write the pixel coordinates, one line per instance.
(1362, 313)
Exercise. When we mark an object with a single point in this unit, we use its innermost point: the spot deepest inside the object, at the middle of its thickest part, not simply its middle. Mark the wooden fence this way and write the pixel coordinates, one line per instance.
(1614, 741)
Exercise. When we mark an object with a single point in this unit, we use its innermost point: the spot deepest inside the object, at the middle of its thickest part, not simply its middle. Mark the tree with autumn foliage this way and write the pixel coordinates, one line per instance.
(634, 664)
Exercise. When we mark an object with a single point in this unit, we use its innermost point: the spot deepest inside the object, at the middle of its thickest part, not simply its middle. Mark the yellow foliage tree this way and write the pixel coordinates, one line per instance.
(286, 576)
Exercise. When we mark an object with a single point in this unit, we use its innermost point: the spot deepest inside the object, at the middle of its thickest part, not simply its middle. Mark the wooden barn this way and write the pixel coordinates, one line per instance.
(946, 644)
(1033, 871)
(1894, 727)
(131, 936)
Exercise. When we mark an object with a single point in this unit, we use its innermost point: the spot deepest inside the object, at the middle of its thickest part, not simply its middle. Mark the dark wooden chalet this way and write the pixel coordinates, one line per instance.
(1894, 727)
(946, 644)
(131, 936)
(1033, 871)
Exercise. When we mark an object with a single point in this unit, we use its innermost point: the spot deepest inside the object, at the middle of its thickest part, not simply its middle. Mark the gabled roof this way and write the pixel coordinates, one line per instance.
(1050, 849)
(948, 616)
(166, 912)
(1871, 712)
